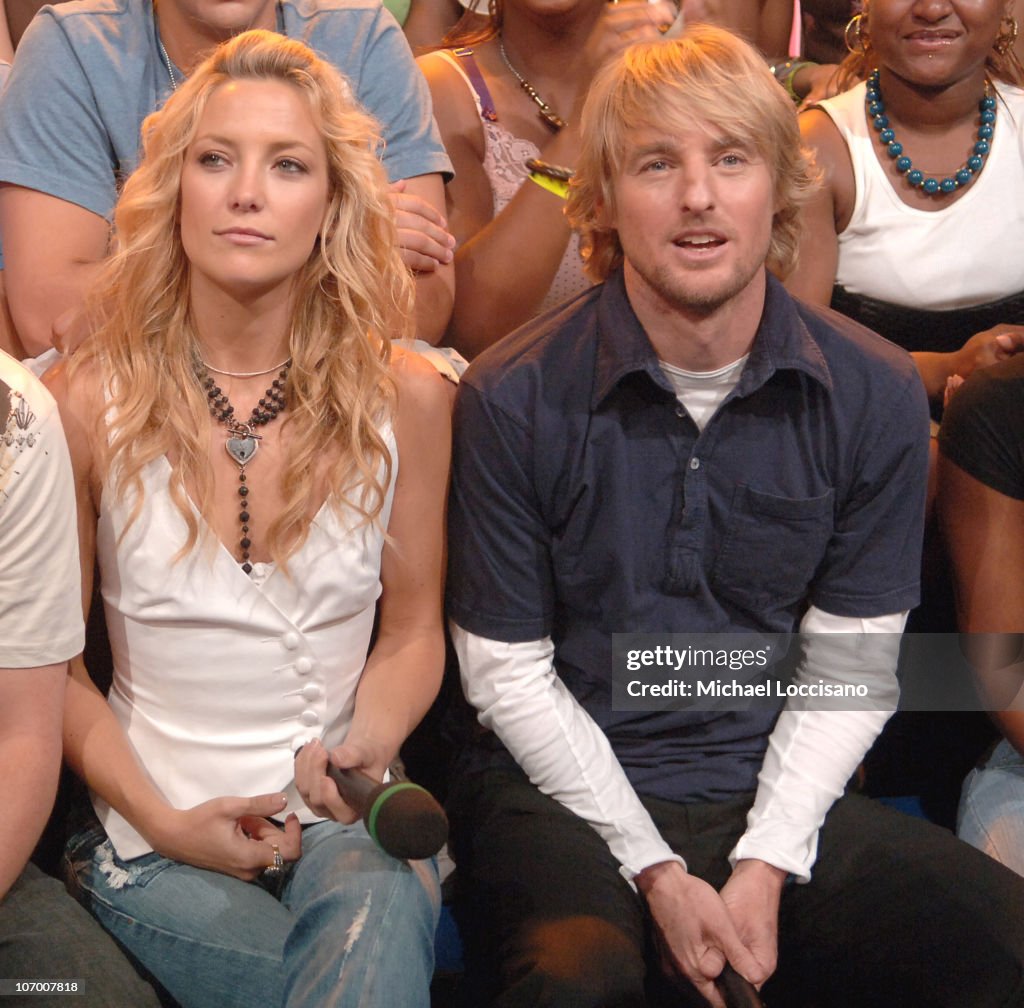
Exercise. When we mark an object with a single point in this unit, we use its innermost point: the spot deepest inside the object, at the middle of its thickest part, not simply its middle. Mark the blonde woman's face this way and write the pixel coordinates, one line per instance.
(254, 189)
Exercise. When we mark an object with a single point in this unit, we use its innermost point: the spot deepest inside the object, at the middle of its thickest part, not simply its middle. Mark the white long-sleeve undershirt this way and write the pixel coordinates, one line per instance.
(811, 753)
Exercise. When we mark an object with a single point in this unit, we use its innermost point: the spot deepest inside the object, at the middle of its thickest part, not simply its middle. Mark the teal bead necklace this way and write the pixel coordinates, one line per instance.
(917, 178)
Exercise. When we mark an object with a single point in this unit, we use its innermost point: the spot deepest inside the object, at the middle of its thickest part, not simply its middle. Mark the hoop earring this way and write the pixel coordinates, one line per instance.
(1007, 35)
(852, 35)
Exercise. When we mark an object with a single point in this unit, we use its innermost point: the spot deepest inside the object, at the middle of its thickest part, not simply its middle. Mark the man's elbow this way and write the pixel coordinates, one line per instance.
(38, 329)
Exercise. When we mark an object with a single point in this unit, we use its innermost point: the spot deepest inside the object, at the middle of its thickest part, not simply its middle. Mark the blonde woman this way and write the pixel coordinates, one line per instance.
(258, 476)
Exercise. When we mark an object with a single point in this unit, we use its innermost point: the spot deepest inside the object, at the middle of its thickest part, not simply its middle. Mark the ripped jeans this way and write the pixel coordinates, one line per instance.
(346, 925)
(991, 815)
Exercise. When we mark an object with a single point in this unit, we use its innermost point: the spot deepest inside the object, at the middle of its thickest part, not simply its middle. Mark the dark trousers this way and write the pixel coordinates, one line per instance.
(46, 935)
(899, 912)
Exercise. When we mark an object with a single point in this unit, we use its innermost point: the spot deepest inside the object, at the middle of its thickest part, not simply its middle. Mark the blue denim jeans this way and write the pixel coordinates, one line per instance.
(991, 815)
(345, 926)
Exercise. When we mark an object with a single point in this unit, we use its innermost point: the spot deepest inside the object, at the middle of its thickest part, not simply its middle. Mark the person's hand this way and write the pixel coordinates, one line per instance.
(318, 791)
(953, 382)
(423, 237)
(989, 347)
(229, 835)
(620, 26)
(694, 929)
(752, 898)
(815, 83)
(697, 11)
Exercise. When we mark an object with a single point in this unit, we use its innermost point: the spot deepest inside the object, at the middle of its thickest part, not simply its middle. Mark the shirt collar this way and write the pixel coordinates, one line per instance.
(782, 342)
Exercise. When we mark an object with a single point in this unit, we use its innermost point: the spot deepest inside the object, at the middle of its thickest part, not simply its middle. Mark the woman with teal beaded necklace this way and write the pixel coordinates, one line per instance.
(919, 234)
(916, 177)
(934, 118)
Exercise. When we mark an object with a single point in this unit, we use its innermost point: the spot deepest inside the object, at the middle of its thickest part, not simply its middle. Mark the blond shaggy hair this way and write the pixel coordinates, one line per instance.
(709, 75)
(350, 297)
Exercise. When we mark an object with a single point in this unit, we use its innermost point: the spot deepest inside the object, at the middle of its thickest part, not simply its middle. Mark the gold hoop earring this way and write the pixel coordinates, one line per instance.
(1007, 35)
(852, 35)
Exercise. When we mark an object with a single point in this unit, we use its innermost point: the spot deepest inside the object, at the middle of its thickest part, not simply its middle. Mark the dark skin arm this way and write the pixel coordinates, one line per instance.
(984, 532)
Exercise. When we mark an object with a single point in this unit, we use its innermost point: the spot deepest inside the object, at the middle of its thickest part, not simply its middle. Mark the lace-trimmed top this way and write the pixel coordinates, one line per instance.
(505, 158)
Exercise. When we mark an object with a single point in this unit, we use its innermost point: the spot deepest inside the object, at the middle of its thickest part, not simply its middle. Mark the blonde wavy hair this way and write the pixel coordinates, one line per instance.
(707, 74)
(1001, 63)
(352, 294)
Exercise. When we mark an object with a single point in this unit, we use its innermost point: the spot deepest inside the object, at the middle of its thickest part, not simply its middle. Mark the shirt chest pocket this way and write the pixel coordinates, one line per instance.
(771, 547)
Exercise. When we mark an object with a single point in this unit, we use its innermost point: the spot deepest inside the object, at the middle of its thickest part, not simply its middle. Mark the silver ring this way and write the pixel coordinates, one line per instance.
(277, 868)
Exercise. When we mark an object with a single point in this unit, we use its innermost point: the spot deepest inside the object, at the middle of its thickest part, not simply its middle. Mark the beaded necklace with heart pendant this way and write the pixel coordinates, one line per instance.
(242, 440)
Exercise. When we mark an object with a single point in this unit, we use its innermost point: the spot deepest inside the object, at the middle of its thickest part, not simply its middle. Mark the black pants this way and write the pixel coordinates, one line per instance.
(899, 913)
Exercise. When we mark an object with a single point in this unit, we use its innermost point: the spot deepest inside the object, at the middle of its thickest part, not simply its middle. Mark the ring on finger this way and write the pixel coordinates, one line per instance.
(277, 868)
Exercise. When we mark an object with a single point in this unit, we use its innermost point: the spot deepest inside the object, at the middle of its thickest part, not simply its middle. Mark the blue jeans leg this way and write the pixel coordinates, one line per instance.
(363, 933)
(212, 941)
(216, 942)
(991, 815)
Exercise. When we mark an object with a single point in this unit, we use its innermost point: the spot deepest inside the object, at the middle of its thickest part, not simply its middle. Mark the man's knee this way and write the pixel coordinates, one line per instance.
(44, 932)
(582, 962)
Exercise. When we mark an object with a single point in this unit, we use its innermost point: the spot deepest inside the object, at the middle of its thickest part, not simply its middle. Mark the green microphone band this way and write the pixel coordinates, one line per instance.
(371, 819)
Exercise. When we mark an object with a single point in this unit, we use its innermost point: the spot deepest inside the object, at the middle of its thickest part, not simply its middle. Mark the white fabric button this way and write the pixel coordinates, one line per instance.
(290, 640)
(303, 665)
(309, 717)
(695, 463)
(311, 692)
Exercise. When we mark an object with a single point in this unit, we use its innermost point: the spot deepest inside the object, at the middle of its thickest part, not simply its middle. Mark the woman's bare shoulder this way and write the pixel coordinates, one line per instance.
(422, 392)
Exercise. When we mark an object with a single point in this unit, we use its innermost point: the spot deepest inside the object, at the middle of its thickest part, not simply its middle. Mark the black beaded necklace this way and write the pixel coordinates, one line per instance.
(242, 441)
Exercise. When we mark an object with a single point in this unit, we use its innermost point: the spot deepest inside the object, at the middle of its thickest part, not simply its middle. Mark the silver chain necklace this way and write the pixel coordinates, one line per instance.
(170, 67)
(243, 374)
(551, 118)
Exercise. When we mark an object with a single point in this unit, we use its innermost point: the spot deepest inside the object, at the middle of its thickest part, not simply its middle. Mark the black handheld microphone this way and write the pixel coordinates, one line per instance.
(737, 991)
(404, 819)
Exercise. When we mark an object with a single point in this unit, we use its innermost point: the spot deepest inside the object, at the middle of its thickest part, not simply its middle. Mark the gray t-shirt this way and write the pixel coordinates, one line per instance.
(88, 72)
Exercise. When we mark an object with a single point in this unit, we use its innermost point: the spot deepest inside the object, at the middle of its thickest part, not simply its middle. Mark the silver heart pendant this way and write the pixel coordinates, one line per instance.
(241, 448)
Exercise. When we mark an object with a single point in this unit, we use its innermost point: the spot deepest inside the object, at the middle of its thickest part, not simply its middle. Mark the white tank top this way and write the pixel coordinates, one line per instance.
(218, 679)
(968, 253)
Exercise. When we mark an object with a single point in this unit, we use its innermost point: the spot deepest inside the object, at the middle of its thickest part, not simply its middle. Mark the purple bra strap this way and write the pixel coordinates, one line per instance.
(477, 80)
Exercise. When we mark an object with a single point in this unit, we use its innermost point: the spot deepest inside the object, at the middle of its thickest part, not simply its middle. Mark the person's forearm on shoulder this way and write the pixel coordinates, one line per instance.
(426, 248)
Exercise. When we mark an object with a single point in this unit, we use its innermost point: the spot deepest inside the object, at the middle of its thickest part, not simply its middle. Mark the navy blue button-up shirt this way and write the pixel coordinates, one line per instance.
(586, 502)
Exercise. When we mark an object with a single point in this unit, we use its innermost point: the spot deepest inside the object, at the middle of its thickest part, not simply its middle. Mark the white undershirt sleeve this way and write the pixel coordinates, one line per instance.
(812, 753)
(520, 697)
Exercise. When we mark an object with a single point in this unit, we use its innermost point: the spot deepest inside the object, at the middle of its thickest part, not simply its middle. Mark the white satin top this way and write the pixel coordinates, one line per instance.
(217, 680)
